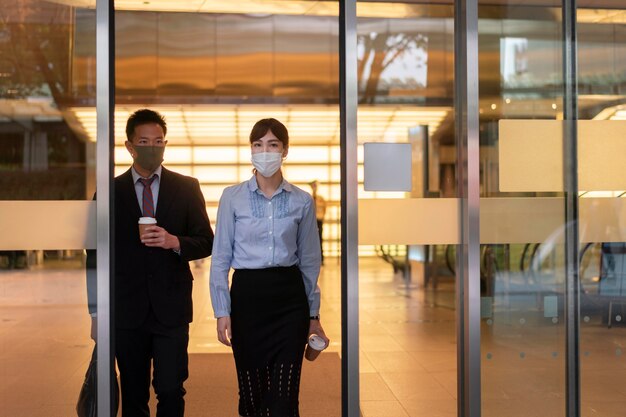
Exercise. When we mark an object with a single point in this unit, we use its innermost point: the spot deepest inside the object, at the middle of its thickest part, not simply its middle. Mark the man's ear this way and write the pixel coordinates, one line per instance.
(129, 148)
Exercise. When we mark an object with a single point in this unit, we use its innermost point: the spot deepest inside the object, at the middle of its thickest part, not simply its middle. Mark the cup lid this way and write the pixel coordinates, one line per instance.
(147, 220)
(316, 342)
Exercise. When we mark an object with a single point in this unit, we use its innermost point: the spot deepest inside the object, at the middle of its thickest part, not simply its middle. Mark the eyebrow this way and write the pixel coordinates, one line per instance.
(269, 141)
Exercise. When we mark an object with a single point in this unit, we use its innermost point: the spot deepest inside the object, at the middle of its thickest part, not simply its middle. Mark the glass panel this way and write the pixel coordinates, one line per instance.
(406, 284)
(602, 93)
(47, 180)
(522, 275)
(213, 69)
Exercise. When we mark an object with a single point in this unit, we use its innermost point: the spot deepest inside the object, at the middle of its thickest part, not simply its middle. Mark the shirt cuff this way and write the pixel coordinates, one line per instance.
(177, 252)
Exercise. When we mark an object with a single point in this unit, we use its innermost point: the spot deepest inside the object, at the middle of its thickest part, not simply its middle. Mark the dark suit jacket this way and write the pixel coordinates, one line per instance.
(154, 278)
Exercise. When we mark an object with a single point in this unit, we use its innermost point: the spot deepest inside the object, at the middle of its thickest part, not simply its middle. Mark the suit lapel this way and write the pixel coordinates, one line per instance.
(127, 190)
(167, 193)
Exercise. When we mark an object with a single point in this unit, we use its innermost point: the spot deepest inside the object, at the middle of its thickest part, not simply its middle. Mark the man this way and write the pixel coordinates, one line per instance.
(153, 281)
(320, 211)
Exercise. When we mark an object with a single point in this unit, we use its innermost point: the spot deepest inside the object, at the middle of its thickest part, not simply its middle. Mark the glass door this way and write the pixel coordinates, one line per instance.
(407, 210)
(523, 224)
(47, 218)
(601, 35)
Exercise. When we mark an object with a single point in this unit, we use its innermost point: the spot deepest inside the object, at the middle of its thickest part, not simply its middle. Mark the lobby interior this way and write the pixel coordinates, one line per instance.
(213, 68)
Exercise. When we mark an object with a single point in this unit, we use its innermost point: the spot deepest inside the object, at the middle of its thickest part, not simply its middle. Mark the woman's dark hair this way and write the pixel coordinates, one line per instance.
(142, 117)
(263, 126)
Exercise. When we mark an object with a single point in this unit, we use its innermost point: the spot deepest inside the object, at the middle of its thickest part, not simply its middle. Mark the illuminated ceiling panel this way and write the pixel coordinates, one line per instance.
(261, 7)
(307, 124)
(589, 11)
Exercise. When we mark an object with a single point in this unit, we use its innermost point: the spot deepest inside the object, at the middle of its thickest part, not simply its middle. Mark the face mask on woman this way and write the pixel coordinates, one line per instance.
(267, 163)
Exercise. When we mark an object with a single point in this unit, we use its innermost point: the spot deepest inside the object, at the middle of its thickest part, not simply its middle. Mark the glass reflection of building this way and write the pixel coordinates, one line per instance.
(214, 69)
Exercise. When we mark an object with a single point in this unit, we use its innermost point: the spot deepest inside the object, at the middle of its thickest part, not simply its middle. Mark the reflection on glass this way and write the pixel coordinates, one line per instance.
(407, 270)
(522, 253)
(44, 321)
(603, 269)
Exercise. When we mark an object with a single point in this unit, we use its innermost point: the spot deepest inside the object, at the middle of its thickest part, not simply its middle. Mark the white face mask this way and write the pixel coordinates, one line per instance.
(267, 163)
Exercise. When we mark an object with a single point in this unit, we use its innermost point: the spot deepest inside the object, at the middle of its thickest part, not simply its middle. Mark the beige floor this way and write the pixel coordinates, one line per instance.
(407, 347)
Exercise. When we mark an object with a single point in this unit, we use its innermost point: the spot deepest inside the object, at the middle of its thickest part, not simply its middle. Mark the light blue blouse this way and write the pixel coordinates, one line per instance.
(254, 232)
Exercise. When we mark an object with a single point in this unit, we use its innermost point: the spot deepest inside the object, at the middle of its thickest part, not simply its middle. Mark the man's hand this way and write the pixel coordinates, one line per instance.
(94, 329)
(158, 237)
(315, 327)
(224, 333)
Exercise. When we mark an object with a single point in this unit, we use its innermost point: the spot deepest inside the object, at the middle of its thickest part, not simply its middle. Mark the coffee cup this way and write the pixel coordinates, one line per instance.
(145, 222)
(315, 346)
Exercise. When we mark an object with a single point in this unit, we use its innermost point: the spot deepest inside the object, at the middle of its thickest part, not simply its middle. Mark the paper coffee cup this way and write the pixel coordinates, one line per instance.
(145, 222)
(314, 347)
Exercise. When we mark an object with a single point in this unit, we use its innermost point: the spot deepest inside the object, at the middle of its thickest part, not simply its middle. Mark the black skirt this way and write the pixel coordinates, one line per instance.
(270, 325)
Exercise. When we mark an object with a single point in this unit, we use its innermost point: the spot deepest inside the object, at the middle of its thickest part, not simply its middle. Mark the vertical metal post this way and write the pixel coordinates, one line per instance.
(570, 178)
(349, 209)
(468, 177)
(105, 90)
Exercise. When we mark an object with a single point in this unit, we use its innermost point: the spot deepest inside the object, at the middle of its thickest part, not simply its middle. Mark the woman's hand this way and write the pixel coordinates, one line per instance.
(224, 333)
(315, 327)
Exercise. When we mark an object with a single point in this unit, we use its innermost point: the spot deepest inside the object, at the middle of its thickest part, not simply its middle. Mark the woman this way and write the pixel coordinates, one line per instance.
(266, 230)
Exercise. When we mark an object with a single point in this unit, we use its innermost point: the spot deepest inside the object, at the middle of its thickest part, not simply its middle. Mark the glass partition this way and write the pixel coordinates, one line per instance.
(522, 208)
(602, 97)
(408, 211)
(47, 180)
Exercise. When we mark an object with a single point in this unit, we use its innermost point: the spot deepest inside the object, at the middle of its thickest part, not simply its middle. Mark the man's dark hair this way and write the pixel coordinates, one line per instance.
(142, 117)
(263, 126)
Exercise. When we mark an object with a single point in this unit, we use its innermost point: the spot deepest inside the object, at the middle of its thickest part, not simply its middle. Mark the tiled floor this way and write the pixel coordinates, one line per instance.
(407, 347)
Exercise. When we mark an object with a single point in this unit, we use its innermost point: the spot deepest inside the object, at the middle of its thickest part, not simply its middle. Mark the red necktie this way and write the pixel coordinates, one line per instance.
(148, 200)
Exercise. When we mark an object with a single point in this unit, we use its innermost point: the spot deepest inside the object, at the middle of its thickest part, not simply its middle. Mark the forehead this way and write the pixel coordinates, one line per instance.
(148, 130)
(268, 137)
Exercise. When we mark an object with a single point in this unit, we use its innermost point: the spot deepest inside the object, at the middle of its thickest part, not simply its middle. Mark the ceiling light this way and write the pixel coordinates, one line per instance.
(310, 124)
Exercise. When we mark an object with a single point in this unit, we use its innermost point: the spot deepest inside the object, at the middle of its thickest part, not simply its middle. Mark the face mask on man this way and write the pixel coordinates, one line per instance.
(149, 157)
(267, 163)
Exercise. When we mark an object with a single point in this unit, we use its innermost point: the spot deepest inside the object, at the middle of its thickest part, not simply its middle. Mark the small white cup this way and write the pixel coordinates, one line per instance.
(145, 222)
(314, 347)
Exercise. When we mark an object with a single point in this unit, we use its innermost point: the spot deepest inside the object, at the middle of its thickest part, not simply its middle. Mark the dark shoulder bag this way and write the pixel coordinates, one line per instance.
(87, 405)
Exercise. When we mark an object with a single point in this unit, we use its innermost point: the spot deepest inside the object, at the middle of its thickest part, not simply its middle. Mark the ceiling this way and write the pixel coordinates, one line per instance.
(372, 9)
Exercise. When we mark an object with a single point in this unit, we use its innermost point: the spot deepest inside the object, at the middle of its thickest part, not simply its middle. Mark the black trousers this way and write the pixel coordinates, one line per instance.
(152, 345)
